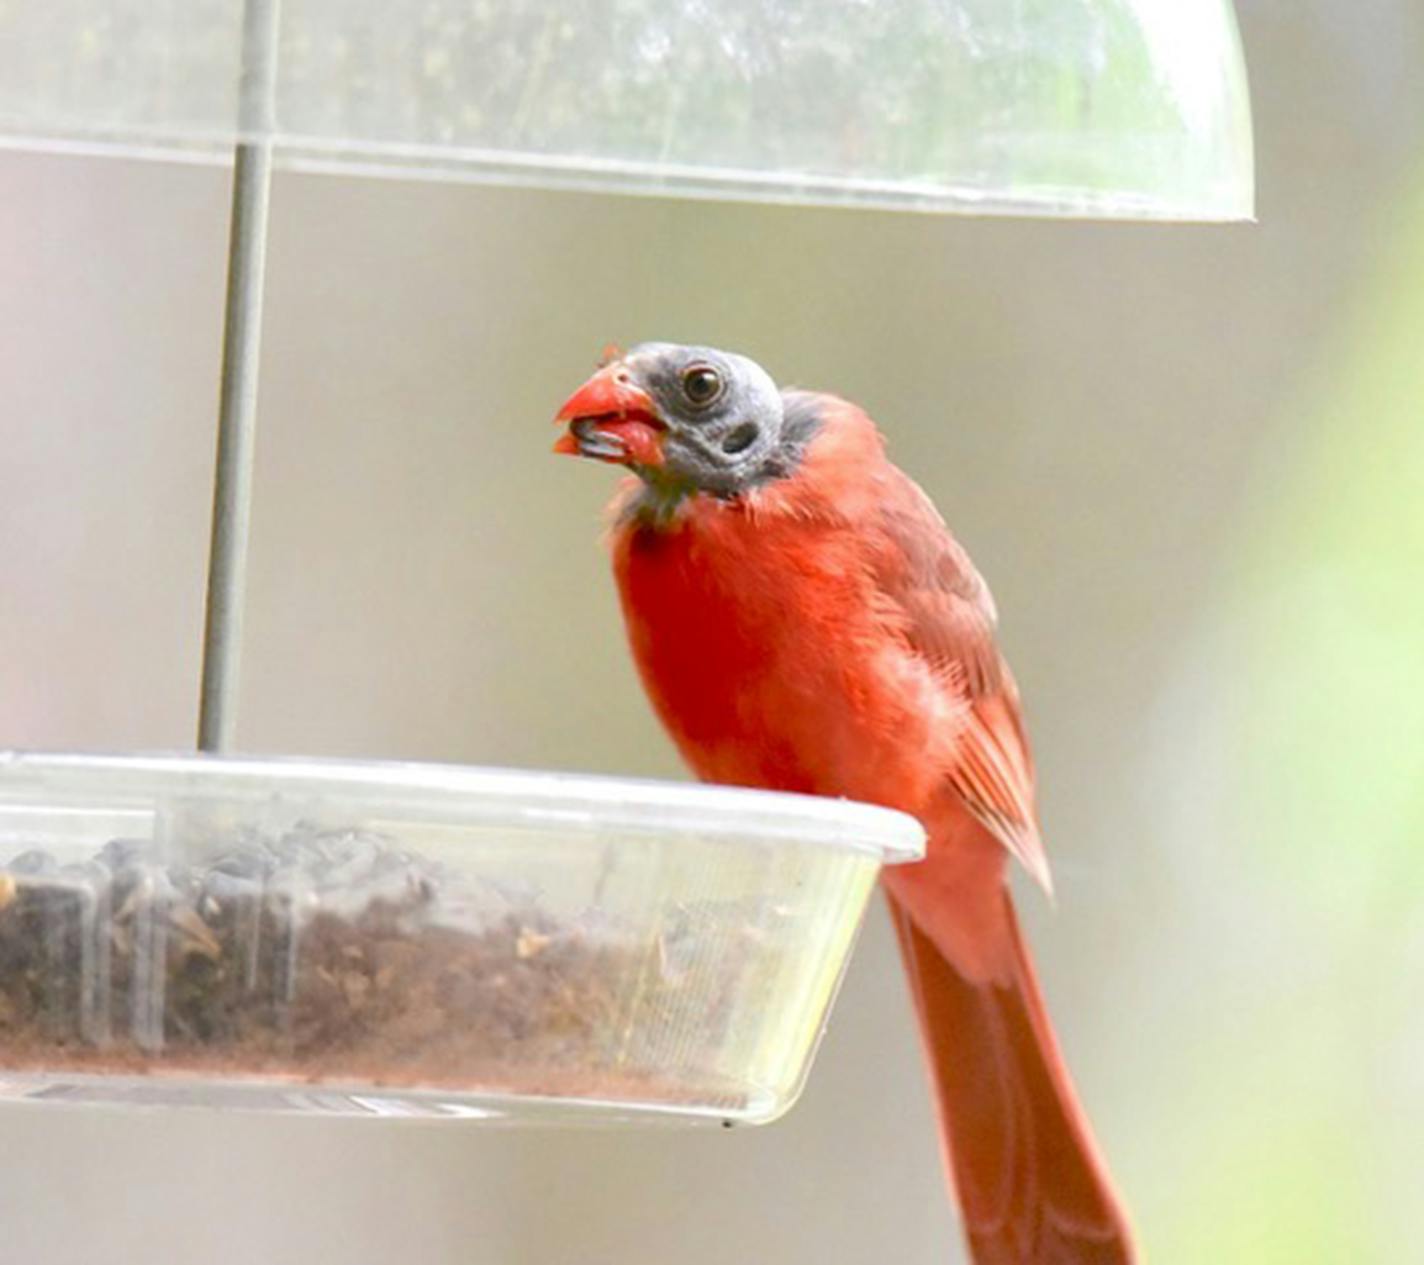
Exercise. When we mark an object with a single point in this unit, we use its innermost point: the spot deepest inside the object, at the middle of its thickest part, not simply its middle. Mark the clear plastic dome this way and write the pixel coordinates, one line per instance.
(1112, 108)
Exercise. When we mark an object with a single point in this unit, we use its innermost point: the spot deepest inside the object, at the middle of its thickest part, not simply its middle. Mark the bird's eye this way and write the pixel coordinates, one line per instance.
(701, 384)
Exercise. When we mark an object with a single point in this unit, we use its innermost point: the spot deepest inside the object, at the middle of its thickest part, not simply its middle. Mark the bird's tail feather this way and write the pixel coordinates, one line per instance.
(1032, 1186)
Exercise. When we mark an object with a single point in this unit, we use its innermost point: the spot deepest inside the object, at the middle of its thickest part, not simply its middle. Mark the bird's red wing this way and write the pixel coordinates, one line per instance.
(948, 618)
(948, 608)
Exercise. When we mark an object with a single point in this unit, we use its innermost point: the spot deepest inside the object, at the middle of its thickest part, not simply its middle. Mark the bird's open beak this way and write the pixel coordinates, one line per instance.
(612, 419)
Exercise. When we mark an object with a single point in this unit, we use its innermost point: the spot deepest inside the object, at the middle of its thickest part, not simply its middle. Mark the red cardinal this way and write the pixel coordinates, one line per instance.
(803, 621)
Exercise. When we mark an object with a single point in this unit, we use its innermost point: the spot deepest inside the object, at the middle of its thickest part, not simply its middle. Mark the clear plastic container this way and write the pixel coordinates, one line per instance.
(429, 940)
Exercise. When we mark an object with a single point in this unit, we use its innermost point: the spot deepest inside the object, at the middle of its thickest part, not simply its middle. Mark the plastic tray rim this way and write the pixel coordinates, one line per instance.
(476, 792)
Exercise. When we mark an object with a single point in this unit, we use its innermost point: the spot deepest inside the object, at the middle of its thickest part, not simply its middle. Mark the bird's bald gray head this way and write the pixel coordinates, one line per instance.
(722, 411)
(689, 419)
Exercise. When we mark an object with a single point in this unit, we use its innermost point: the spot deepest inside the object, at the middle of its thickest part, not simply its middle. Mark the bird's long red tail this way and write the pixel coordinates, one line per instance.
(1032, 1187)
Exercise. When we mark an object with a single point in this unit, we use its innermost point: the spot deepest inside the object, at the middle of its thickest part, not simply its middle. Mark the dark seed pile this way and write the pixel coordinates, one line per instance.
(337, 955)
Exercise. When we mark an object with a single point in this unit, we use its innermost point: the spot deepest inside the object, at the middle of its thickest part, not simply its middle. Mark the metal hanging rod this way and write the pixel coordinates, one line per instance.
(237, 413)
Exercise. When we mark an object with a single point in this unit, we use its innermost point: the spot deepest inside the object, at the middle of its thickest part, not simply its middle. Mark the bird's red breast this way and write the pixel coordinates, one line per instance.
(824, 634)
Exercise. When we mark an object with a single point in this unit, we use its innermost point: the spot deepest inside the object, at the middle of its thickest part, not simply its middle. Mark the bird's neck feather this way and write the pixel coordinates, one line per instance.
(819, 470)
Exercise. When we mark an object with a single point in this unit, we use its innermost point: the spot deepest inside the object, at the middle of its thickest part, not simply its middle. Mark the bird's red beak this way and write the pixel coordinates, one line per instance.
(611, 418)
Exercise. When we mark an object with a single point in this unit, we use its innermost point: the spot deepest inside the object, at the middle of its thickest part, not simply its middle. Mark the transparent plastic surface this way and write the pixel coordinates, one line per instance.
(420, 940)
(1112, 108)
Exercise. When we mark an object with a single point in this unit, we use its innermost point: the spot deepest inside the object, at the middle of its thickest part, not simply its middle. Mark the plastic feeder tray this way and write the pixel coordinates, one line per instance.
(401, 939)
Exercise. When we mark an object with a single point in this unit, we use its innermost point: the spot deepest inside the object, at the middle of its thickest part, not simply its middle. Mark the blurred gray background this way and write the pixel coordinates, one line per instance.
(1184, 457)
